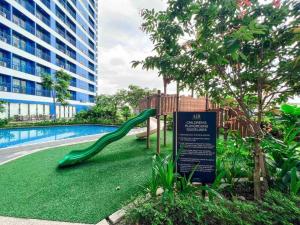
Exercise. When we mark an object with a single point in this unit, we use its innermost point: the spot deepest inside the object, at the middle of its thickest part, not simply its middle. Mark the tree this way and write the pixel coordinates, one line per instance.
(58, 86)
(241, 49)
(135, 94)
(2, 107)
(126, 112)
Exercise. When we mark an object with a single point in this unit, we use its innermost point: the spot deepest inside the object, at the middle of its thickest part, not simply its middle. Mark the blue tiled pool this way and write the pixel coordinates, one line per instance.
(23, 136)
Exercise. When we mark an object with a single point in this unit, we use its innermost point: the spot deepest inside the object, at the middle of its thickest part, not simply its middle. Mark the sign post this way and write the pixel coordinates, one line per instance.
(195, 145)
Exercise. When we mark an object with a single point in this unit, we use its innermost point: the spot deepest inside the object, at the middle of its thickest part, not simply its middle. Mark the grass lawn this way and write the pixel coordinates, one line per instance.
(33, 187)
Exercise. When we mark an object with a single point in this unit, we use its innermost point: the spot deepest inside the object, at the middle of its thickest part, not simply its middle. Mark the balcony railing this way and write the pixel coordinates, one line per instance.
(5, 62)
(26, 47)
(43, 55)
(71, 68)
(4, 12)
(46, 3)
(41, 71)
(61, 32)
(45, 93)
(23, 24)
(5, 86)
(42, 36)
(71, 26)
(72, 41)
(59, 15)
(91, 77)
(61, 48)
(5, 37)
(70, 10)
(26, 5)
(23, 68)
(71, 54)
(60, 64)
(43, 18)
(91, 67)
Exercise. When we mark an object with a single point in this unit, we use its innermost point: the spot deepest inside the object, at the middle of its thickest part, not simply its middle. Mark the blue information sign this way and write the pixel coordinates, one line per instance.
(195, 145)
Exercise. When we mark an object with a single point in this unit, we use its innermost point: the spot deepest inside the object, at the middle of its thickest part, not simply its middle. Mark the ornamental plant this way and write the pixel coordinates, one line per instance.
(247, 50)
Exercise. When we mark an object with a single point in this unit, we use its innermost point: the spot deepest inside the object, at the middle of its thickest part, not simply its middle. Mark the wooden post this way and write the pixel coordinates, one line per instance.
(158, 112)
(165, 130)
(164, 112)
(148, 124)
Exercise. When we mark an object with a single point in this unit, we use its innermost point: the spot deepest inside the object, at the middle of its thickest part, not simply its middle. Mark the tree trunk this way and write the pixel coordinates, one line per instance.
(260, 186)
(54, 104)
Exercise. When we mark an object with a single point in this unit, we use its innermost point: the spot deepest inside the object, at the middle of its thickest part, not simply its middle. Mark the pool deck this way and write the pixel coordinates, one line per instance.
(12, 153)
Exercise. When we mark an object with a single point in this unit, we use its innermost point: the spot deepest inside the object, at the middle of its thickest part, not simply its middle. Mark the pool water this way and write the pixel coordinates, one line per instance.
(24, 136)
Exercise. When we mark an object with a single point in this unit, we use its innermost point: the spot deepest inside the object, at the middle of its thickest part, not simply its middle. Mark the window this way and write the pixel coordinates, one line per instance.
(19, 86)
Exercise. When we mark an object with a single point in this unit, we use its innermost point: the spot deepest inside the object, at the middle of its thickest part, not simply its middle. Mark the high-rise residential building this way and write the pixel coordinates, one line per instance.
(42, 37)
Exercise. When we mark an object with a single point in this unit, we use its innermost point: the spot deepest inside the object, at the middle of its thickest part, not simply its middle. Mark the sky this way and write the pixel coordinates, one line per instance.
(122, 41)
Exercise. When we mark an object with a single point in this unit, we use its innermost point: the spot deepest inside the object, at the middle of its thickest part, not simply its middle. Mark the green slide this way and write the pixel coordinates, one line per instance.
(76, 157)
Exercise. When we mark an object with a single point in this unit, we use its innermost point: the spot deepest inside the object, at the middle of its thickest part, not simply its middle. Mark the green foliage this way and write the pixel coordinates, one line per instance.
(58, 85)
(234, 159)
(116, 108)
(191, 209)
(3, 122)
(2, 108)
(134, 94)
(295, 181)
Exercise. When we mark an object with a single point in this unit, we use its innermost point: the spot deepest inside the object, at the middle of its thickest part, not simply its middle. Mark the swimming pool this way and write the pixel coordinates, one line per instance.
(23, 136)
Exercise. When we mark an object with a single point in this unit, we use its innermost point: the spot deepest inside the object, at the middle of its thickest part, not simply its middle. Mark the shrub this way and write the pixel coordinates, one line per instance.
(3, 122)
(276, 208)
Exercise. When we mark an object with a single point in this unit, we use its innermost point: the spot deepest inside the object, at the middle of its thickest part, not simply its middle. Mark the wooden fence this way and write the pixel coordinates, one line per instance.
(227, 118)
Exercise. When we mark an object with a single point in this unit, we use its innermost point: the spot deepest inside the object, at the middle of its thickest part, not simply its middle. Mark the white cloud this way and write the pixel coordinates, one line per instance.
(121, 42)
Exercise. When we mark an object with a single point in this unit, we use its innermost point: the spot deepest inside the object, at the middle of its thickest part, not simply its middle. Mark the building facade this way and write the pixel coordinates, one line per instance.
(42, 37)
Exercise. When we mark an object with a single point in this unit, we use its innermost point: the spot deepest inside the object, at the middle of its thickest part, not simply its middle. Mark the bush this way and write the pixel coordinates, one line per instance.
(3, 122)
(276, 208)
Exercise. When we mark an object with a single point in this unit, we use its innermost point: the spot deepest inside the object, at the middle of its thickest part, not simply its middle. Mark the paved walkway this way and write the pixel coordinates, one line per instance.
(19, 221)
(9, 154)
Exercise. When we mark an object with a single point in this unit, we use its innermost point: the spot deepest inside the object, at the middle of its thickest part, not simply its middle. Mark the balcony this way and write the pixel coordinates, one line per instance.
(71, 68)
(22, 45)
(43, 55)
(42, 36)
(91, 77)
(71, 11)
(91, 44)
(4, 12)
(61, 48)
(91, 67)
(40, 71)
(43, 18)
(60, 15)
(60, 64)
(19, 89)
(23, 68)
(60, 31)
(23, 24)
(26, 5)
(73, 83)
(5, 87)
(71, 54)
(45, 93)
(71, 40)
(46, 3)
(4, 62)
(5, 37)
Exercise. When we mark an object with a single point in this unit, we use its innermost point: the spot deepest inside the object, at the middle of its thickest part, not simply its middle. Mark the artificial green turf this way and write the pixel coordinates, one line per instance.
(33, 187)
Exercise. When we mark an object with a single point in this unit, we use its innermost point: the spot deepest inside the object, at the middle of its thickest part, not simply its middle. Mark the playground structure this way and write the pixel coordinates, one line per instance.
(161, 105)
(227, 118)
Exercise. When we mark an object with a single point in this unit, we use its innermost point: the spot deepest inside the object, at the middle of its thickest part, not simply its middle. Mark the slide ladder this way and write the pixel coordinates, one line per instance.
(76, 157)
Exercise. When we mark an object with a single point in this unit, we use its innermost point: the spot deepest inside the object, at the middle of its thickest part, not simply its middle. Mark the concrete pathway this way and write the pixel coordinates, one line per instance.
(9, 154)
(19, 221)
